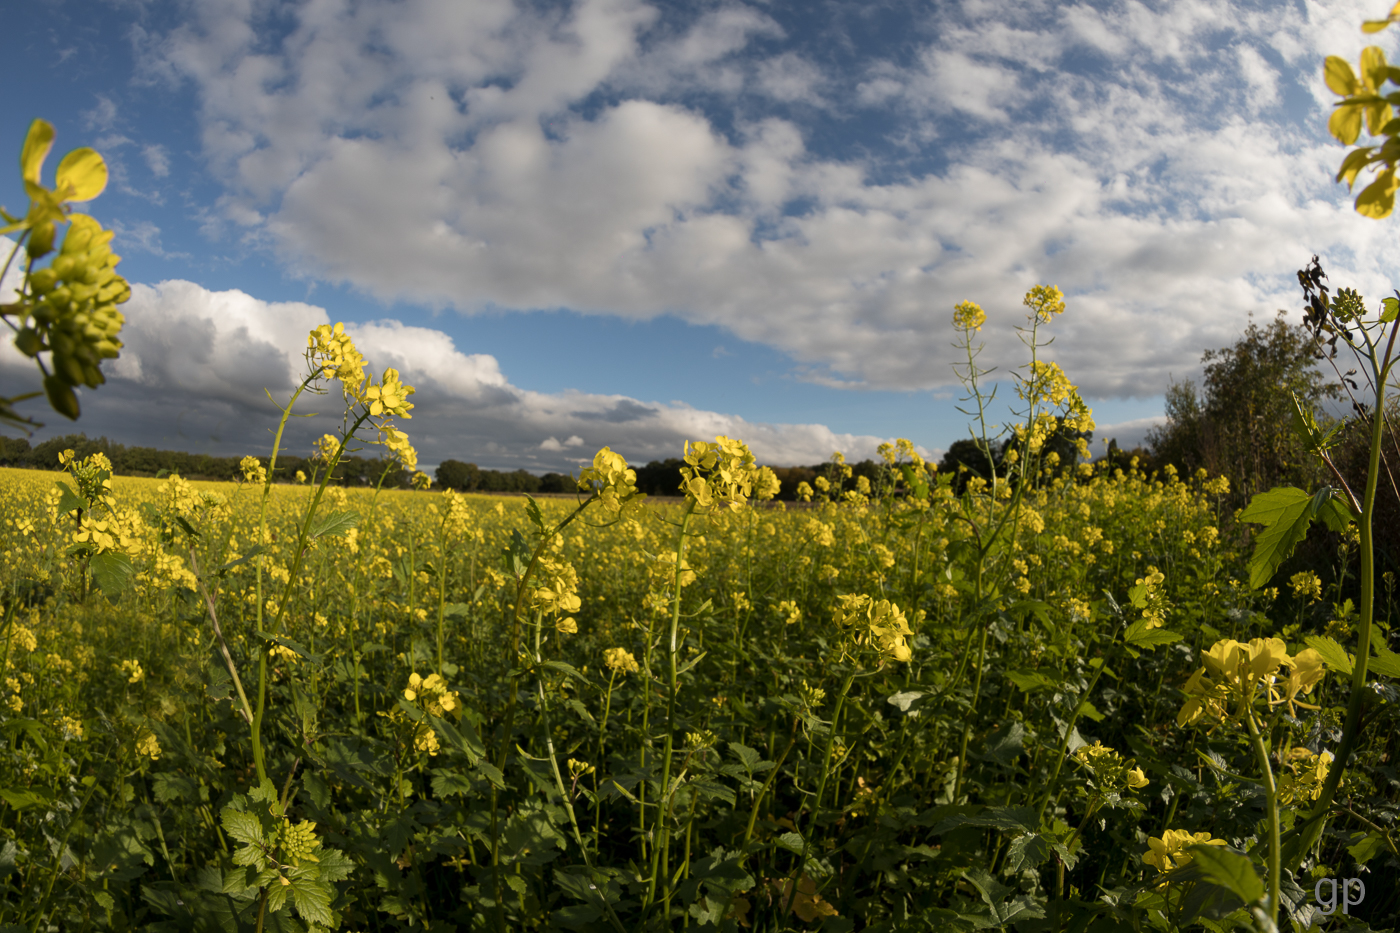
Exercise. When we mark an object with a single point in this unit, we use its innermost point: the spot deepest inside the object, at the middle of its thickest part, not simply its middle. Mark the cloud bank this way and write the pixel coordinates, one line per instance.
(196, 363)
(1164, 163)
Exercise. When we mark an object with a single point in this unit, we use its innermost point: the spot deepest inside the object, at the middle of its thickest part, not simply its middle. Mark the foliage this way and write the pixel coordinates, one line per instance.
(1239, 423)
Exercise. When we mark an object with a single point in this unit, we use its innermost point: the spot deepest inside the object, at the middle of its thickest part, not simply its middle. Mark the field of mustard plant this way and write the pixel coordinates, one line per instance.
(1055, 699)
(1059, 696)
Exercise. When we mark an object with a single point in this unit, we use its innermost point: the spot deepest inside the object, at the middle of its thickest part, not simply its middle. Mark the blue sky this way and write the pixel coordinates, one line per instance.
(629, 223)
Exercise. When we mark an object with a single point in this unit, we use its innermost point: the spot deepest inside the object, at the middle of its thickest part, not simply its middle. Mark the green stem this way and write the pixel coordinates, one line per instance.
(796, 877)
(1271, 802)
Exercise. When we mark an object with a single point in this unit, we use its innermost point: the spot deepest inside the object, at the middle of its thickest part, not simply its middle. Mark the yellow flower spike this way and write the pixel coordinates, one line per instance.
(1044, 301)
(390, 397)
(969, 316)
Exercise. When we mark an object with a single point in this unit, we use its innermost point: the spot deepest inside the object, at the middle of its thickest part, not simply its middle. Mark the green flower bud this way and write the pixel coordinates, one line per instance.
(28, 342)
(62, 397)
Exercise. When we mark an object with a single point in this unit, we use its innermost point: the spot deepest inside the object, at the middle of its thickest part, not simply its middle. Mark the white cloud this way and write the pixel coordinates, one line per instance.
(196, 365)
(1135, 155)
(157, 160)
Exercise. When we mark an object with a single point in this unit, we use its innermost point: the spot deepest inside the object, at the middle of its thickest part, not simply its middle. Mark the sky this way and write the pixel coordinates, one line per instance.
(622, 223)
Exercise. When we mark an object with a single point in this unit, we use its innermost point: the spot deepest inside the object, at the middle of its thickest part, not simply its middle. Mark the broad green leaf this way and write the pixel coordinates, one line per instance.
(1333, 655)
(242, 825)
(70, 501)
(567, 669)
(463, 737)
(1286, 513)
(112, 571)
(36, 148)
(1140, 636)
(1390, 310)
(1367, 847)
(82, 175)
(1345, 123)
(336, 523)
(1026, 851)
(312, 896)
(1230, 870)
(1377, 199)
(1384, 662)
(905, 699)
(1029, 680)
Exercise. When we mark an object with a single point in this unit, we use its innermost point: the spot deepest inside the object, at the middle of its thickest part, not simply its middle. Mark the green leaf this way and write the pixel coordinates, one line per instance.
(1333, 654)
(1230, 870)
(1286, 513)
(312, 896)
(252, 552)
(1384, 662)
(1367, 847)
(1390, 309)
(905, 699)
(567, 669)
(1027, 681)
(113, 572)
(1140, 635)
(242, 825)
(336, 523)
(532, 509)
(464, 739)
(1026, 851)
(69, 501)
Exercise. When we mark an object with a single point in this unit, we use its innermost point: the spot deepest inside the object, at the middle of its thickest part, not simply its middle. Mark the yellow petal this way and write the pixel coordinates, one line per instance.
(82, 175)
(36, 148)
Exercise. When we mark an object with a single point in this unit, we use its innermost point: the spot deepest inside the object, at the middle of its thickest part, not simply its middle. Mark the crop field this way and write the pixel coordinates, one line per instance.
(898, 708)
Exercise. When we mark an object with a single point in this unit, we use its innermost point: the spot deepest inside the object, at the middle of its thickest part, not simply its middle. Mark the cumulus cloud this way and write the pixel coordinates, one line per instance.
(198, 366)
(635, 159)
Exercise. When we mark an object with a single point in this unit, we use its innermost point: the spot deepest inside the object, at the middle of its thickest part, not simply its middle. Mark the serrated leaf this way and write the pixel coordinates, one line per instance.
(312, 897)
(1333, 655)
(568, 669)
(1026, 851)
(1286, 513)
(242, 825)
(749, 756)
(336, 523)
(1027, 681)
(1384, 662)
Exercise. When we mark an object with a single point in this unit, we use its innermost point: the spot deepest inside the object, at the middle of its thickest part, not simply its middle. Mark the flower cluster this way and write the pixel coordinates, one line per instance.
(611, 479)
(1109, 773)
(1168, 852)
(1234, 672)
(70, 307)
(1150, 596)
(253, 471)
(721, 473)
(433, 694)
(298, 842)
(1044, 301)
(620, 660)
(875, 624)
(968, 315)
(1304, 773)
(554, 591)
(332, 354)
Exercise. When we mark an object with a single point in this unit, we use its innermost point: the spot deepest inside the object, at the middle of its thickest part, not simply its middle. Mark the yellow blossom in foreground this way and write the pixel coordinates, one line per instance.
(432, 693)
(390, 397)
(133, 670)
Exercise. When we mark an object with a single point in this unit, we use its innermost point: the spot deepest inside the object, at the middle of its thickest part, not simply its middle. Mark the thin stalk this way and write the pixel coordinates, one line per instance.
(821, 789)
(1271, 803)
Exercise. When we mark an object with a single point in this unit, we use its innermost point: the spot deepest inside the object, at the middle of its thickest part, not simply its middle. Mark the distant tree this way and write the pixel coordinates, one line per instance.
(454, 474)
(1239, 424)
(558, 482)
(660, 477)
